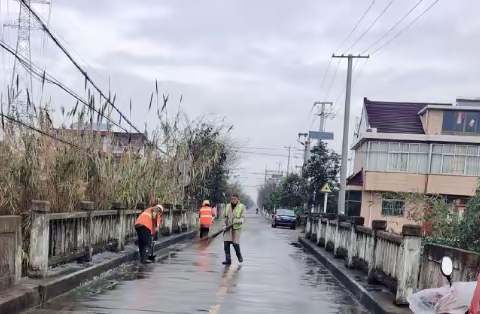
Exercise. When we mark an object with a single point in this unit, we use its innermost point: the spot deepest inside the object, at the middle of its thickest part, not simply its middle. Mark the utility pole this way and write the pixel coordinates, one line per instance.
(288, 162)
(321, 127)
(306, 146)
(346, 121)
(265, 182)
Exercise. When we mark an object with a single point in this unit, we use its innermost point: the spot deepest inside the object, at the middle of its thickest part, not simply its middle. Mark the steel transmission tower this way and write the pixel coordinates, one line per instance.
(22, 101)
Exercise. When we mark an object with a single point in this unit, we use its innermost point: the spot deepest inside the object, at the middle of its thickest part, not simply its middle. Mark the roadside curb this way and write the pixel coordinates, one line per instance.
(370, 302)
(30, 295)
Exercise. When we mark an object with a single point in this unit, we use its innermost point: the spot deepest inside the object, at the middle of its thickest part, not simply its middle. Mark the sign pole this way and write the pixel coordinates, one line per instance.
(325, 203)
(325, 190)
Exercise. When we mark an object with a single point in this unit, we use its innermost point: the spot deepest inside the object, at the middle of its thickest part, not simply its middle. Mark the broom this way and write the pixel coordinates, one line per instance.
(209, 239)
(151, 257)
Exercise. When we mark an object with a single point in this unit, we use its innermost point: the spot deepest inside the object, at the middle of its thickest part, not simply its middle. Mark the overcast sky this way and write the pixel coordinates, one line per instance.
(260, 64)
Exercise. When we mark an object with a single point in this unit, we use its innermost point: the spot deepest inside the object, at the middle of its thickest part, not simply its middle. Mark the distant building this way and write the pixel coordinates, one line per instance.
(428, 148)
(274, 176)
(116, 142)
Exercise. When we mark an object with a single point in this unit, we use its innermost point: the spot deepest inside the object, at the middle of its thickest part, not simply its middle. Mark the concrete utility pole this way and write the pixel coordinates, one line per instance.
(288, 162)
(322, 114)
(265, 182)
(306, 146)
(346, 121)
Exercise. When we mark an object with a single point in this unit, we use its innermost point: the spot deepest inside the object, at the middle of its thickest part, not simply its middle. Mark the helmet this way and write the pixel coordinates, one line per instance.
(159, 208)
(206, 203)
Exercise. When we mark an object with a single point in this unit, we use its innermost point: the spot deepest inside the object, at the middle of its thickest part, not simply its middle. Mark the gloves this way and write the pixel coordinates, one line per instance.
(238, 220)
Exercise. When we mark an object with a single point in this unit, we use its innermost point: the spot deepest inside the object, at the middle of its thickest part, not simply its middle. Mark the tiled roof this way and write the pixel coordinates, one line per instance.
(356, 178)
(395, 117)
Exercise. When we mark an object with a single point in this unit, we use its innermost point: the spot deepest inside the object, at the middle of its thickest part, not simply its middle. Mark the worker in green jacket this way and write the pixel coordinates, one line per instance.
(234, 214)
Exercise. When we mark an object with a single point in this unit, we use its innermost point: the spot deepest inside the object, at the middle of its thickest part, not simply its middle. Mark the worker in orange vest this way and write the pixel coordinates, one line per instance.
(146, 225)
(206, 218)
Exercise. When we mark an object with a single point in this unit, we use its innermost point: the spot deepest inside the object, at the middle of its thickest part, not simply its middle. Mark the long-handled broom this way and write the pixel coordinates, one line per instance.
(209, 239)
(151, 257)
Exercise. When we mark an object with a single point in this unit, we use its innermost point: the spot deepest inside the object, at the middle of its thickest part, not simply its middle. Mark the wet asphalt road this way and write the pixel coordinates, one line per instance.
(277, 276)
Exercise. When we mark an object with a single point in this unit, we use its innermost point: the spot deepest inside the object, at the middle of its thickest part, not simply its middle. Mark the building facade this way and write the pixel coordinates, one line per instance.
(116, 143)
(422, 148)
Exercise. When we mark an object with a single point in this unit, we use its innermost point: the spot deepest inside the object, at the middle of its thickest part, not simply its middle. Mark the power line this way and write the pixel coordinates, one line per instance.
(81, 70)
(333, 79)
(356, 25)
(262, 154)
(39, 131)
(336, 50)
(44, 76)
(326, 72)
(393, 27)
(371, 25)
(407, 27)
(353, 87)
(345, 85)
(323, 82)
(359, 73)
(262, 148)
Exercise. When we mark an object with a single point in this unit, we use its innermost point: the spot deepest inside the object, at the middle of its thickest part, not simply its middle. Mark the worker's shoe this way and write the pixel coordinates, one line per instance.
(146, 261)
(227, 263)
(240, 259)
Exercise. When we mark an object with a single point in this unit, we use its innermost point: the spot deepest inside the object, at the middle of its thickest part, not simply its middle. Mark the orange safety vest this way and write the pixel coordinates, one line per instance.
(206, 216)
(146, 219)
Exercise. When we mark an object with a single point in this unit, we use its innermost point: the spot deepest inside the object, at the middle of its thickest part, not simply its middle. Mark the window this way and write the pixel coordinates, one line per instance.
(353, 202)
(392, 207)
(460, 121)
(456, 159)
(398, 157)
(285, 212)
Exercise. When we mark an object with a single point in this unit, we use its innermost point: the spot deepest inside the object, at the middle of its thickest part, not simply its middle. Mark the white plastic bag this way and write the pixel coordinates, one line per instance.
(453, 300)
(424, 301)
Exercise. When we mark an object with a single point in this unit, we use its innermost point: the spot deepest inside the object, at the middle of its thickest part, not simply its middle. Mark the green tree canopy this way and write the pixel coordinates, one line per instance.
(323, 167)
(291, 193)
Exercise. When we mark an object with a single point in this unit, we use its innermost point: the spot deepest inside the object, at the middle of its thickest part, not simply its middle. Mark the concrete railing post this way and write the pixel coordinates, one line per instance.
(88, 207)
(409, 269)
(120, 207)
(177, 215)
(377, 225)
(39, 239)
(142, 207)
(314, 235)
(319, 228)
(308, 228)
(337, 237)
(11, 248)
(167, 220)
(330, 232)
(352, 241)
(185, 217)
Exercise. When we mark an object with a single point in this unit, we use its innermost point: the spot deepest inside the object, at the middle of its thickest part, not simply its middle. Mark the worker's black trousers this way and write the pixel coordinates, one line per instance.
(236, 246)
(144, 241)
(204, 232)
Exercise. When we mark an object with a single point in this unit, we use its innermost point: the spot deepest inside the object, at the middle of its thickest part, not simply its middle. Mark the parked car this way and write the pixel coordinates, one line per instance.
(284, 217)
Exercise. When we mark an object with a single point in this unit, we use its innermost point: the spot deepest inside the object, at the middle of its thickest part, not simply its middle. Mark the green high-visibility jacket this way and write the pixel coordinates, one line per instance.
(238, 214)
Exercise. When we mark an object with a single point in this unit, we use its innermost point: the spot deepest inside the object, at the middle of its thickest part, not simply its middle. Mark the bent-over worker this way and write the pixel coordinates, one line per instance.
(234, 214)
(206, 218)
(146, 225)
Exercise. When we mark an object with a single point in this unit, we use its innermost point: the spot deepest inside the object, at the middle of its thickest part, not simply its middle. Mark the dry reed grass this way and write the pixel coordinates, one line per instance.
(36, 167)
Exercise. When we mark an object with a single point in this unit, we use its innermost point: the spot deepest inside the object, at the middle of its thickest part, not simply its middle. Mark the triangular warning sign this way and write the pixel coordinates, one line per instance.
(326, 188)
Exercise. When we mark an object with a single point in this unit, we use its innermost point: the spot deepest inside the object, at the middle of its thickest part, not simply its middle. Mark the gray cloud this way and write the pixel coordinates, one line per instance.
(260, 63)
